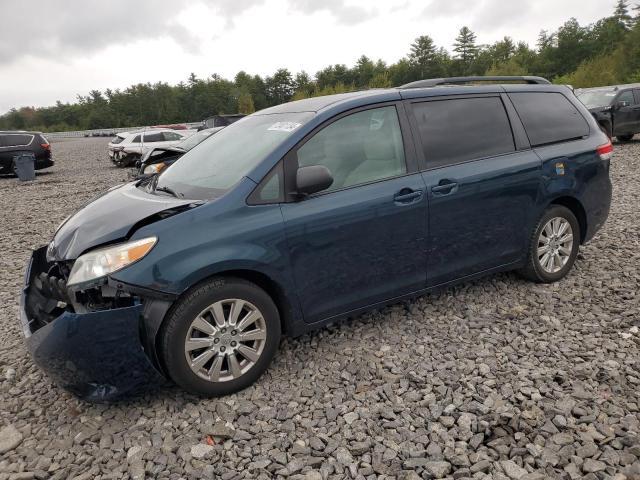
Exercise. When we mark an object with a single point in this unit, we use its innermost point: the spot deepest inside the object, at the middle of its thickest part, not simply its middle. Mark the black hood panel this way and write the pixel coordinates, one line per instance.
(108, 218)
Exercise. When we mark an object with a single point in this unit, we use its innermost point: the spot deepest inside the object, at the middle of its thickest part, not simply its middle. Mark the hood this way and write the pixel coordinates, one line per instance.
(605, 108)
(158, 155)
(110, 217)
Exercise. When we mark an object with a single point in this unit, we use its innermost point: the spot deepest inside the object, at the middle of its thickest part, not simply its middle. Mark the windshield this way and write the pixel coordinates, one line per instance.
(190, 142)
(596, 98)
(214, 166)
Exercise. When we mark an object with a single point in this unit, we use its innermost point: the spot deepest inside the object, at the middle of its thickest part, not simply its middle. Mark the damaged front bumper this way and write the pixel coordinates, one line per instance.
(98, 355)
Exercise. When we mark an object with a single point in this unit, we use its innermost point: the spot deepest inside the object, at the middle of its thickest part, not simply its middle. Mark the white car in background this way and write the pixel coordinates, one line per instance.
(128, 147)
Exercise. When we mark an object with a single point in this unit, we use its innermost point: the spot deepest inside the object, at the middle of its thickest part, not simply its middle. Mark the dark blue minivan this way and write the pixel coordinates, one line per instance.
(307, 213)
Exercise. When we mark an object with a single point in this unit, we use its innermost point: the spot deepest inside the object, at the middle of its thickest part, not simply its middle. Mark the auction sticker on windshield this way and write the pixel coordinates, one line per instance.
(284, 126)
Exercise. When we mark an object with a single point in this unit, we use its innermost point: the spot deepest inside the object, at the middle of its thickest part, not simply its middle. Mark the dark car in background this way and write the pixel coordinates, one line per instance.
(311, 212)
(160, 158)
(615, 108)
(14, 143)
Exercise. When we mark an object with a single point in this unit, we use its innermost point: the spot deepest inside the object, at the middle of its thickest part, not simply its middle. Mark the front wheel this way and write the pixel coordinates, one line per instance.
(553, 246)
(220, 337)
(625, 138)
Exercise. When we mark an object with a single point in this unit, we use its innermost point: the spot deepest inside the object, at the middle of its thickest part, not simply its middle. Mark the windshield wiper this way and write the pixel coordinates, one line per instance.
(168, 190)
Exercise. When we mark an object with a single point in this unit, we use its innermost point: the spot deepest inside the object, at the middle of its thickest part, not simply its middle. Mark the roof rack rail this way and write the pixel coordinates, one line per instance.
(433, 82)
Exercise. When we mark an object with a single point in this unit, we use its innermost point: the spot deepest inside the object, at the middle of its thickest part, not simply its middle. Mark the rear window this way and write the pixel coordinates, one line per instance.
(117, 140)
(15, 140)
(549, 117)
(457, 130)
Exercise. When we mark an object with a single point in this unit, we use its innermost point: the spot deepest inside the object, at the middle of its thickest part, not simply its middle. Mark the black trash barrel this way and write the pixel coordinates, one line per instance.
(25, 166)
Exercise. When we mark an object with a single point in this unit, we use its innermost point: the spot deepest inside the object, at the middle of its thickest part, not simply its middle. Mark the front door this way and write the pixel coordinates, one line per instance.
(627, 117)
(362, 240)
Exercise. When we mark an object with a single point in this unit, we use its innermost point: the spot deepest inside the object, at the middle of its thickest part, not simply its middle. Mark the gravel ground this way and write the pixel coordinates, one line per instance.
(494, 379)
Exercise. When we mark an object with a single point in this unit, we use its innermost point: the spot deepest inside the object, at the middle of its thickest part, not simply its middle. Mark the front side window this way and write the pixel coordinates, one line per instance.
(458, 130)
(549, 117)
(626, 97)
(214, 166)
(362, 147)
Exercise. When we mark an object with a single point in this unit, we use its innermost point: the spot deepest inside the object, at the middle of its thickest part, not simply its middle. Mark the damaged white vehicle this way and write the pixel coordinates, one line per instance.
(128, 147)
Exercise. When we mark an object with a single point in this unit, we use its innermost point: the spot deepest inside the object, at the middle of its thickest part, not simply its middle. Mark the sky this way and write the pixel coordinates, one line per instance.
(56, 49)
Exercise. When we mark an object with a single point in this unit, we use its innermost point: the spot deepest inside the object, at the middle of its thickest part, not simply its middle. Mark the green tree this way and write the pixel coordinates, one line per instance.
(245, 103)
(592, 73)
(280, 87)
(466, 49)
(423, 56)
(621, 14)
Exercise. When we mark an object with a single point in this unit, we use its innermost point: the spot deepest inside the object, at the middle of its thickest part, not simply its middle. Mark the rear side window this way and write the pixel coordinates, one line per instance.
(457, 130)
(15, 140)
(549, 117)
(154, 137)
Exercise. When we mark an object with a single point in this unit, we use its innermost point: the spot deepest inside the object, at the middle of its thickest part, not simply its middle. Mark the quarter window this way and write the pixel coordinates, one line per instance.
(362, 147)
(458, 130)
(136, 139)
(549, 117)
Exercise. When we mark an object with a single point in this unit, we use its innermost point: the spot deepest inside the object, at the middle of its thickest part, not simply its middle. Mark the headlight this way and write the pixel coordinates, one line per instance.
(103, 261)
(155, 168)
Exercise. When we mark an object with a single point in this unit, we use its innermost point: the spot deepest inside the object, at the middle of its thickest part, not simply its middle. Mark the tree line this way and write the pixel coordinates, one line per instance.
(603, 53)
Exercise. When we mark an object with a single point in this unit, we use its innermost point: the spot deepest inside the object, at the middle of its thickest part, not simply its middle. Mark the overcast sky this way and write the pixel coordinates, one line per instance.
(54, 49)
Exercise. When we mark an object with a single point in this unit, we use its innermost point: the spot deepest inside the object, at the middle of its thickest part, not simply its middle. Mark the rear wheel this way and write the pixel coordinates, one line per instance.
(553, 246)
(625, 138)
(220, 337)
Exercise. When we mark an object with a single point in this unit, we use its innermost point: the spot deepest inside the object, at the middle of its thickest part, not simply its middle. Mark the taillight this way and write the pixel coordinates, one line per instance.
(46, 146)
(605, 151)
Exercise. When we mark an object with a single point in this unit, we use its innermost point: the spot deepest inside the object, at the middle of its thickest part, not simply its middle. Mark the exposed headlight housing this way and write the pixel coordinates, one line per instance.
(104, 261)
(155, 168)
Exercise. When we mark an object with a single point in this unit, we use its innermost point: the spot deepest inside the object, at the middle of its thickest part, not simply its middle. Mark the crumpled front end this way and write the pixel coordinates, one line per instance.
(91, 344)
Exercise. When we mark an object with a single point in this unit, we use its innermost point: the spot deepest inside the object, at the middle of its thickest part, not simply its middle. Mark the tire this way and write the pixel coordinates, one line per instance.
(538, 268)
(220, 296)
(625, 138)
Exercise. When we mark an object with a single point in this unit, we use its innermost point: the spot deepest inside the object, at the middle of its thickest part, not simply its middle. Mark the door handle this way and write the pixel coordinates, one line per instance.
(407, 195)
(445, 187)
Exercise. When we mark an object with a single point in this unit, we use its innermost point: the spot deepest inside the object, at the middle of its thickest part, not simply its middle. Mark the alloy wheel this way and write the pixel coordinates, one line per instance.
(225, 340)
(555, 245)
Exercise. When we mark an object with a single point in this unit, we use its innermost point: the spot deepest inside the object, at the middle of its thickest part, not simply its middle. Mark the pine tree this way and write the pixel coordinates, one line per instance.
(422, 54)
(466, 48)
(465, 45)
(621, 14)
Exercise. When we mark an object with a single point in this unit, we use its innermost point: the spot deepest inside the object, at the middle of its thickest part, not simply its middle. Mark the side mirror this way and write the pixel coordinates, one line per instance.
(621, 104)
(312, 179)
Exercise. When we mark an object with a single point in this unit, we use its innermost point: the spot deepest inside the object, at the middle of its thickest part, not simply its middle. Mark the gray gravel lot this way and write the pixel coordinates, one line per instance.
(494, 379)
